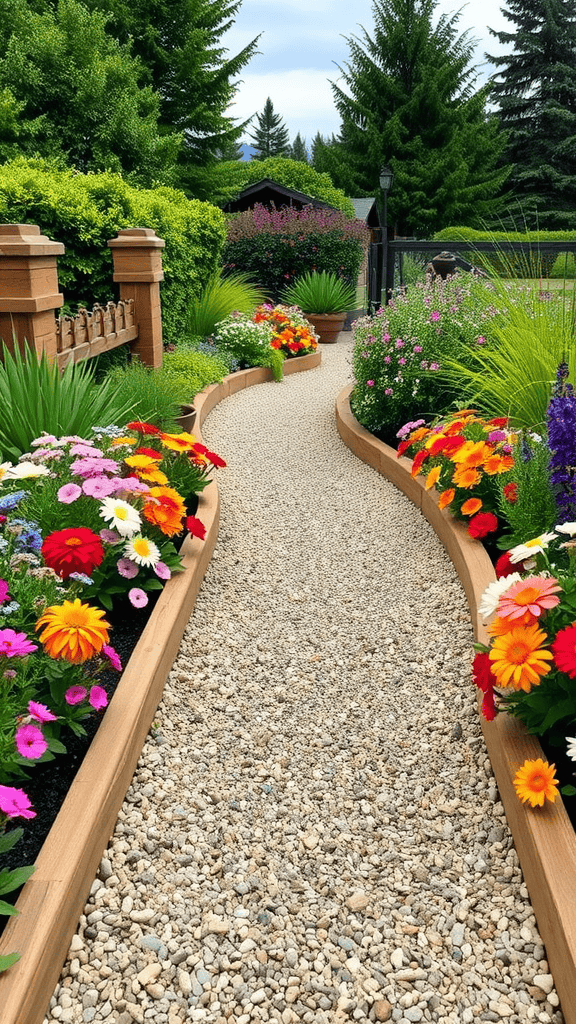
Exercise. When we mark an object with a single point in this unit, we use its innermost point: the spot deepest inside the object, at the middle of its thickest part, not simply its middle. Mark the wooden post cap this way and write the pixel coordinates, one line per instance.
(136, 255)
(26, 240)
(132, 238)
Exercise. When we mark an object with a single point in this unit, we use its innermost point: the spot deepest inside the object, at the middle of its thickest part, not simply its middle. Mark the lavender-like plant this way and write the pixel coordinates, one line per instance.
(561, 417)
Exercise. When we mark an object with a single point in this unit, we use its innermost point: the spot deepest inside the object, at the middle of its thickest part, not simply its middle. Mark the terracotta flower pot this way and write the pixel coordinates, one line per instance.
(327, 325)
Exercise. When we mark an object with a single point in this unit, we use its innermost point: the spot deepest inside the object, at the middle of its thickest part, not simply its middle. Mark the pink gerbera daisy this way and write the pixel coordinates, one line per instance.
(526, 600)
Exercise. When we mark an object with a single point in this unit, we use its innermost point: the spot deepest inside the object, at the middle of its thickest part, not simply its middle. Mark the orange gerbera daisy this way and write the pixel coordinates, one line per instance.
(470, 507)
(178, 442)
(500, 627)
(472, 454)
(498, 464)
(418, 434)
(536, 782)
(165, 509)
(432, 477)
(519, 659)
(73, 631)
(466, 477)
(146, 468)
(446, 498)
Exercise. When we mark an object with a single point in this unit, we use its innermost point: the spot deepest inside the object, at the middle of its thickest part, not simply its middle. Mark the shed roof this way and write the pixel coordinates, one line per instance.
(267, 191)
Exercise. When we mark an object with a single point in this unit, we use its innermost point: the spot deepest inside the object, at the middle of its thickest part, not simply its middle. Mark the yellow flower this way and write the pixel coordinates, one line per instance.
(73, 631)
(432, 477)
(535, 782)
(519, 659)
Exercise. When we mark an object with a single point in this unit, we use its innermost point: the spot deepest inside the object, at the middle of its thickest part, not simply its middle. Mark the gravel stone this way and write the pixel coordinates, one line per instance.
(318, 837)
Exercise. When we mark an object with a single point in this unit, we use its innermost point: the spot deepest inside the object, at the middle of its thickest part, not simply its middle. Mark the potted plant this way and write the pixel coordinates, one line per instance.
(325, 299)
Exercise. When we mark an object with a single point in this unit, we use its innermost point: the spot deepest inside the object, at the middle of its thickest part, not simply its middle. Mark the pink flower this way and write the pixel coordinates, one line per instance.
(110, 536)
(15, 645)
(98, 487)
(86, 448)
(3, 591)
(127, 569)
(388, 391)
(112, 656)
(15, 804)
(93, 467)
(137, 597)
(399, 343)
(75, 694)
(162, 570)
(387, 359)
(40, 712)
(402, 362)
(98, 698)
(130, 484)
(369, 383)
(30, 742)
(69, 493)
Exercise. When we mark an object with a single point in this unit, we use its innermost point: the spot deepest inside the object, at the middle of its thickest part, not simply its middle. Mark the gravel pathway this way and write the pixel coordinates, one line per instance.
(313, 832)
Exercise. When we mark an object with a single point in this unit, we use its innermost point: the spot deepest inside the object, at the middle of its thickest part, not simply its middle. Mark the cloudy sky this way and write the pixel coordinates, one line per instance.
(302, 41)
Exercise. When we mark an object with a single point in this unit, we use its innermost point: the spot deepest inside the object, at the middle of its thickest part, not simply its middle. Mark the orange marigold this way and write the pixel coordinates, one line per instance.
(73, 631)
(165, 509)
(446, 498)
(470, 507)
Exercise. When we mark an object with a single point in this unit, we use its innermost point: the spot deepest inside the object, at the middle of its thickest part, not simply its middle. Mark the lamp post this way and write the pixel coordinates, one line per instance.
(386, 178)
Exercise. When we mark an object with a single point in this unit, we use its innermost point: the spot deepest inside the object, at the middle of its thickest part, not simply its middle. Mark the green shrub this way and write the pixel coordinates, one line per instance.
(221, 296)
(292, 174)
(505, 263)
(84, 211)
(276, 246)
(150, 393)
(188, 372)
(564, 267)
(320, 293)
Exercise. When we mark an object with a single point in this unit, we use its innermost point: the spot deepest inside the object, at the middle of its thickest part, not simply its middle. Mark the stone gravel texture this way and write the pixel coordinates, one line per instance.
(313, 832)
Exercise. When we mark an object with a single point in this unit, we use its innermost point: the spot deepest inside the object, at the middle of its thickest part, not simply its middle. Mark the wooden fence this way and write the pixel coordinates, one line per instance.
(30, 297)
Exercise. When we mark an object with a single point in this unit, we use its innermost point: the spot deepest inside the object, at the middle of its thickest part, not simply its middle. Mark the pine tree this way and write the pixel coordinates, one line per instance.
(270, 136)
(298, 149)
(535, 88)
(409, 101)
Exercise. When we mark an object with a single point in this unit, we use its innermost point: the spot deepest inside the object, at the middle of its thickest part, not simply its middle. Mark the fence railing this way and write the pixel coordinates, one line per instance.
(383, 257)
(30, 297)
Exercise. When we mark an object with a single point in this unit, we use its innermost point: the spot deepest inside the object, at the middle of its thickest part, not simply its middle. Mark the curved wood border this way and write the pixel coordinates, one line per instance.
(544, 838)
(52, 900)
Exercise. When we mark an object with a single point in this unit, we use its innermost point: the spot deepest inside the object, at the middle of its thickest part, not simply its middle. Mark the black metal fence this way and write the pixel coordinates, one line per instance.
(385, 259)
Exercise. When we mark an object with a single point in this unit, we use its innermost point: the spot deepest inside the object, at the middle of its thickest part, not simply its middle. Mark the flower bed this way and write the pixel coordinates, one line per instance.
(52, 900)
(545, 842)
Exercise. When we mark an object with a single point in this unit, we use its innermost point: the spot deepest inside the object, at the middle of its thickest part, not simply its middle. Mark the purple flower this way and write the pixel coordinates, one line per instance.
(98, 487)
(127, 568)
(497, 435)
(75, 695)
(3, 591)
(110, 536)
(162, 570)
(69, 493)
(113, 657)
(561, 417)
(388, 391)
(369, 383)
(137, 597)
(98, 698)
(434, 316)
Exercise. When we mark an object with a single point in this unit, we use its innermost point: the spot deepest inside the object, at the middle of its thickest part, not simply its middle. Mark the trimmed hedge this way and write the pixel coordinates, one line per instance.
(510, 264)
(85, 210)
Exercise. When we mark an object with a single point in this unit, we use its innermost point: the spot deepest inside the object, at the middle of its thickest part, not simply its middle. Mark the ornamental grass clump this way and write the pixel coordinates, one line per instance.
(462, 457)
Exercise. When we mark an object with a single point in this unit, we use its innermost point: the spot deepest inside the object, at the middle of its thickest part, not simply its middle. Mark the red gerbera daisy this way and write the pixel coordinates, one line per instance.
(143, 428)
(482, 524)
(150, 452)
(215, 459)
(564, 650)
(195, 527)
(74, 550)
(504, 567)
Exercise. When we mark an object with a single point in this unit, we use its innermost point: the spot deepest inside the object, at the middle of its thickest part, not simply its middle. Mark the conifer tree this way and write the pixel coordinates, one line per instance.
(298, 149)
(535, 88)
(408, 100)
(270, 136)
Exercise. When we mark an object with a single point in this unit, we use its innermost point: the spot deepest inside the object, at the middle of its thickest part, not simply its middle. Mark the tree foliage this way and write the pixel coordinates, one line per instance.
(535, 88)
(70, 91)
(408, 100)
(291, 173)
(270, 136)
(298, 149)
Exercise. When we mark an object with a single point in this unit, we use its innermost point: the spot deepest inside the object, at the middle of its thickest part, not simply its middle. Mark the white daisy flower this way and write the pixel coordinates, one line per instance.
(123, 517)
(142, 551)
(24, 470)
(493, 593)
(571, 748)
(568, 528)
(532, 547)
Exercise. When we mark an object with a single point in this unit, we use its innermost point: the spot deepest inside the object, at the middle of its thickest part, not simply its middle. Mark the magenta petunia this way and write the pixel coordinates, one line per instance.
(30, 742)
(162, 570)
(127, 569)
(14, 803)
(98, 487)
(137, 597)
(113, 657)
(69, 493)
(3, 591)
(98, 698)
(75, 695)
(15, 645)
(40, 712)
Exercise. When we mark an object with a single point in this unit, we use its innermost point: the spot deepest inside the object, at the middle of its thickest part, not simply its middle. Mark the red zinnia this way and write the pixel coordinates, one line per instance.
(195, 527)
(74, 550)
(143, 428)
(504, 567)
(482, 524)
(564, 650)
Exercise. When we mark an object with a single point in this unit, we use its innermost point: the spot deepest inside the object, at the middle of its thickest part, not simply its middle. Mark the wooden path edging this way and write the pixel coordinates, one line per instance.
(53, 899)
(544, 838)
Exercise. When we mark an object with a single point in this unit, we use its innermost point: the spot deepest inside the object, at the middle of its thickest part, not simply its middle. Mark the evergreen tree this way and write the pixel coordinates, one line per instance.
(298, 150)
(409, 101)
(270, 136)
(535, 88)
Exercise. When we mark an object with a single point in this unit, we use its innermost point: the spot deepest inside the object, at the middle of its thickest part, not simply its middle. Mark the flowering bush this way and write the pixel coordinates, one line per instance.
(292, 333)
(400, 354)
(83, 522)
(462, 457)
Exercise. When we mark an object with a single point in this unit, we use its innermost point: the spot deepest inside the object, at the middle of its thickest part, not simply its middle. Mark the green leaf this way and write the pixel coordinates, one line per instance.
(7, 909)
(9, 839)
(10, 880)
(568, 790)
(8, 961)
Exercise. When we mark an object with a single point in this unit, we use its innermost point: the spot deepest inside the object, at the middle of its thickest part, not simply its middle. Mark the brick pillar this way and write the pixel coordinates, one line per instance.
(29, 292)
(138, 271)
